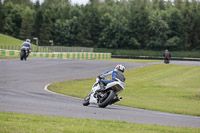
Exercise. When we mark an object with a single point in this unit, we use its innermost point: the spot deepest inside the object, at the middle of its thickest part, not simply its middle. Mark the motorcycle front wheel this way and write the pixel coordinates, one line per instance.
(106, 100)
(166, 61)
(86, 100)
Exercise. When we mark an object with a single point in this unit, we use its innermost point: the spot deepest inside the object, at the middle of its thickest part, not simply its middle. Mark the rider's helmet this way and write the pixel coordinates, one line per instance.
(120, 67)
(28, 40)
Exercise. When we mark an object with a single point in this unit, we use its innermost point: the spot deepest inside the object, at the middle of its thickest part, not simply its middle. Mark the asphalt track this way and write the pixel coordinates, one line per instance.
(22, 90)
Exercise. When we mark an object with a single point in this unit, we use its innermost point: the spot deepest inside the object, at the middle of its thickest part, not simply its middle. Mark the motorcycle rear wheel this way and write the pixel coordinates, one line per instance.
(104, 103)
(22, 54)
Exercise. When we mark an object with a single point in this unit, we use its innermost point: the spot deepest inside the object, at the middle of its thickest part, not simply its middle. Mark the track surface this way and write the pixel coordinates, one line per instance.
(22, 90)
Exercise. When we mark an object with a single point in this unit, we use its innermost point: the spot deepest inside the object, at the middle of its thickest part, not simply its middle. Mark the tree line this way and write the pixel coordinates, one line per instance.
(125, 24)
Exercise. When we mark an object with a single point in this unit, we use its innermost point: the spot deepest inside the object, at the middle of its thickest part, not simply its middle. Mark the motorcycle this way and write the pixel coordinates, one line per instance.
(166, 59)
(24, 53)
(105, 97)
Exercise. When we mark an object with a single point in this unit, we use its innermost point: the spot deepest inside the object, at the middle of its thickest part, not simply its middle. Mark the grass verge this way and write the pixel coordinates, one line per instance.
(9, 57)
(23, 123)
(167, 88)
(135, 60)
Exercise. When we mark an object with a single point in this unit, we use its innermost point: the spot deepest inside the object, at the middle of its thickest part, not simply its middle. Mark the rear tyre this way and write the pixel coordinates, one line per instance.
(105, 101)
(21, 58)
(22, 54)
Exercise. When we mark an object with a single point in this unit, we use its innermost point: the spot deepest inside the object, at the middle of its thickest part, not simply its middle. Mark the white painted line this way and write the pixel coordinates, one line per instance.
(46, 89)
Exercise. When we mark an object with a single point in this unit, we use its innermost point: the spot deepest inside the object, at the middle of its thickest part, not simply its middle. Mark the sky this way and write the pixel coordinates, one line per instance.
(80, 2)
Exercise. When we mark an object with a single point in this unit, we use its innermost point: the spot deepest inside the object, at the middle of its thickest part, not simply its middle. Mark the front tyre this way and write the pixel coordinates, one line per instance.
(105, 101)
(86, 100)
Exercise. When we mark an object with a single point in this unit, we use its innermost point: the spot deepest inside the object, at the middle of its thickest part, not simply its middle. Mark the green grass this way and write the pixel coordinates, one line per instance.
(9, 57)
(134, 60)
(167, 88)
(8, 40)
(23, 123)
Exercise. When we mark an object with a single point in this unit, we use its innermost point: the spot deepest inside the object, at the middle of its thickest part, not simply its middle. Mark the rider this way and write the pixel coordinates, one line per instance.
(166, 54)
(27, 44)
(117, 74)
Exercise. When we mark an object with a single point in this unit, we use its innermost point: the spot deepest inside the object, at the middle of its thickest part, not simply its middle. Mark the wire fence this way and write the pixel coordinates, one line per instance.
(51, 48)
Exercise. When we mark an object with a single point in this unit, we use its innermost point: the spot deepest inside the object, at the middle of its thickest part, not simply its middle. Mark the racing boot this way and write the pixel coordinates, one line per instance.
(102, 87)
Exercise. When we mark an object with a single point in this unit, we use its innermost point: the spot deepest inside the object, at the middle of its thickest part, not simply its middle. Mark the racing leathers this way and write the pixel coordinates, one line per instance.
(27, 45)
(167, 54)
(116, 75)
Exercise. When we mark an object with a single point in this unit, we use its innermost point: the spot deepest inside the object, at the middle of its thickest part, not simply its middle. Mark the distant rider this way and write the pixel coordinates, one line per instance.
(167, 54)
(117, 74)
(27, 45)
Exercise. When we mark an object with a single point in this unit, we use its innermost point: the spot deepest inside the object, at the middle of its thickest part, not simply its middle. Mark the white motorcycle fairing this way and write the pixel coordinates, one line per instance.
(117, 86)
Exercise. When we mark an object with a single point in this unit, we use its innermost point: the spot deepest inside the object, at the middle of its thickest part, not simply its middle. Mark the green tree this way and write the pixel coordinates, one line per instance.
(59, 8)
(93, 16)
(155, 4)
(161, 4)
(175, 23)
(115, 33)
(12, 15)
(26, 30)
(37, 5)
(65, 32)
(1, 16)
(106, 38)
(195, 25)
(38, 23)
(178, 4)
(139, 21)
(20, 2)
(168, 4)
(46, 29)
(186, 12)
(145, 24)
(158, 30)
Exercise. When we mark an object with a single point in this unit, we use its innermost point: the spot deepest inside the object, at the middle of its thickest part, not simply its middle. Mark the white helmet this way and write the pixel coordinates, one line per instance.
(120, 67)
(28, 40)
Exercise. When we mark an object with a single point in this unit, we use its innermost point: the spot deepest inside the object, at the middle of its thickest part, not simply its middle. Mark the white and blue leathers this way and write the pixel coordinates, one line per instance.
(116, 75)
(27, 45)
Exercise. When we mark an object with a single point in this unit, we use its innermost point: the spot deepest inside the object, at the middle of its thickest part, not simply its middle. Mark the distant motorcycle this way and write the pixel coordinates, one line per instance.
(166, 60)
(104, 97)
(24, 53)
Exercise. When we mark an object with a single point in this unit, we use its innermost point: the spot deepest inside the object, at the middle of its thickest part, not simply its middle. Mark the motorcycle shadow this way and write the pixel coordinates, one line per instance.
(109, 107)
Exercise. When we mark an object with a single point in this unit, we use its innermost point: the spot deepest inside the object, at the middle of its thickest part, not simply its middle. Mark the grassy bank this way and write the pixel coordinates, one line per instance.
(23, 123)
(10, 41)
(168, 88)
(191, 54)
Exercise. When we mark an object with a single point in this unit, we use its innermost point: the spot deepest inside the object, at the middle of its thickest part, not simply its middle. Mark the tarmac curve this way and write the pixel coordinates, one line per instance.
(22, 90)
